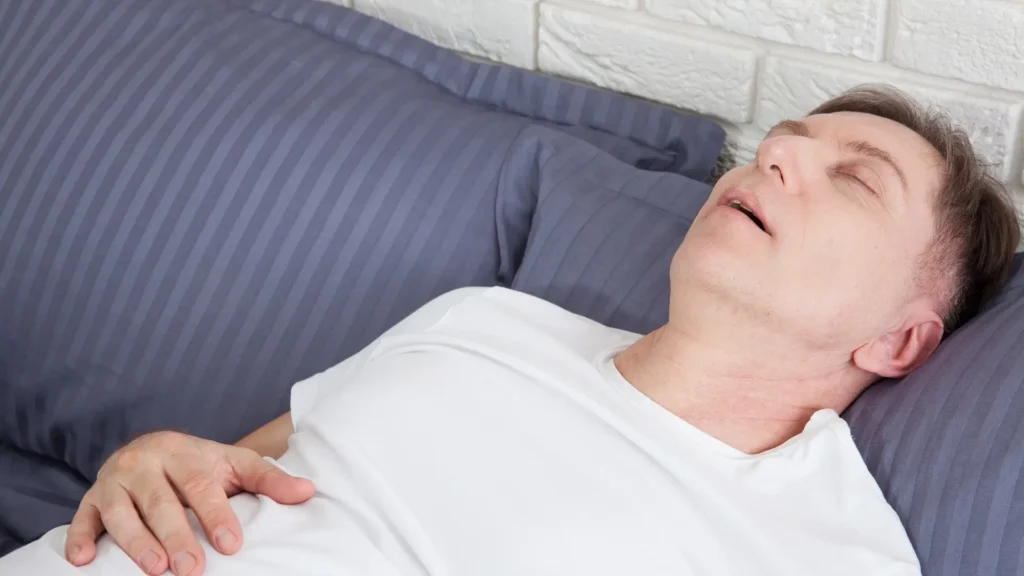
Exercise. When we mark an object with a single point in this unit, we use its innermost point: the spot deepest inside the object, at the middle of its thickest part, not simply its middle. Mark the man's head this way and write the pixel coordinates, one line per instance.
(882, 232)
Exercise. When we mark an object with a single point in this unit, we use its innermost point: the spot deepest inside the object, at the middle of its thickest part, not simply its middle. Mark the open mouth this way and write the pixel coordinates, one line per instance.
(749, 213)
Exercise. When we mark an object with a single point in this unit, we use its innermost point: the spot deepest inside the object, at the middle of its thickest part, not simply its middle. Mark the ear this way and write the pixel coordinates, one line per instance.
(897, 353)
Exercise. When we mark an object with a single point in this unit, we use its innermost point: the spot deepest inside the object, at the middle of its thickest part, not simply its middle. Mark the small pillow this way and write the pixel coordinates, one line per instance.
(603, 234)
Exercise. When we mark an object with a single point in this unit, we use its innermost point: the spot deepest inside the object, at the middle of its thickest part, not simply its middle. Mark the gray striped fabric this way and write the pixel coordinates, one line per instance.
(8, 543)
(204, 201)
(602, 239)
(946, 444)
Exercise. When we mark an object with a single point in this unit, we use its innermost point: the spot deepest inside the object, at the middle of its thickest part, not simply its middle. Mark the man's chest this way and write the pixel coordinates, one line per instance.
(508, 471)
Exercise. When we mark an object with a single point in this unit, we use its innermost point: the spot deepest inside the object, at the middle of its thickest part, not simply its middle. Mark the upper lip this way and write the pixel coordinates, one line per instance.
(750, 201)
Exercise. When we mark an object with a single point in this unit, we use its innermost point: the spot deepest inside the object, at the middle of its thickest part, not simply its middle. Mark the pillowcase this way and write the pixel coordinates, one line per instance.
(205, 201)
(946, 443)
(603, 236)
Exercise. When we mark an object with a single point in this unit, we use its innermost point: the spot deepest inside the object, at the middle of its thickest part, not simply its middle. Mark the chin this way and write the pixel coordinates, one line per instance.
(715, 264)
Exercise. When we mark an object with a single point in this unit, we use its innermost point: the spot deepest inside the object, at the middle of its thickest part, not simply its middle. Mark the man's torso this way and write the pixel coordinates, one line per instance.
(501, 440)
(490, 433)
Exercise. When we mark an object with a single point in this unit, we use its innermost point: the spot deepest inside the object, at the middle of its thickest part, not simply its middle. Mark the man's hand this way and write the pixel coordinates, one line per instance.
(155, 476)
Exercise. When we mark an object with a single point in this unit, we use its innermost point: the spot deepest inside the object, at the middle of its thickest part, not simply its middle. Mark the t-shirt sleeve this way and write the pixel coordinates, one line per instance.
(307, 393)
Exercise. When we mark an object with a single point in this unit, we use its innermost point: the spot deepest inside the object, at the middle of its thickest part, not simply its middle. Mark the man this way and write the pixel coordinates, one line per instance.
(493, 433)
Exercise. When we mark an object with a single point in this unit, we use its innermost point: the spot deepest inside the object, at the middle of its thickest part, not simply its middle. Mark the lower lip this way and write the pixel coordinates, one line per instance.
(734, 213)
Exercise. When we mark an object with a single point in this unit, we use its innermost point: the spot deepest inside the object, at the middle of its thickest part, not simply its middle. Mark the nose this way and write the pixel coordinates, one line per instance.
(785, 159)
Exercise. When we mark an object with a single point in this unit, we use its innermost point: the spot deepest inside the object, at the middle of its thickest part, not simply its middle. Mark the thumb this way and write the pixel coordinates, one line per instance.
(256, 475)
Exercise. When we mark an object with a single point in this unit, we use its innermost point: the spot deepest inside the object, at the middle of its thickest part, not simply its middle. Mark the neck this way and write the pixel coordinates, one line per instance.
(748, 395)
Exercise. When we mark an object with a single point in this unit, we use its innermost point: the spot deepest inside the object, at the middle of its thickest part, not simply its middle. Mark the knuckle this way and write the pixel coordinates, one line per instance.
(135, 544)
(77, 531)
(197, 482)
(145, 452)
(217, 517)
(116, 513)
(120, 462)
(156, 501)
(165, 440)
(91, 498)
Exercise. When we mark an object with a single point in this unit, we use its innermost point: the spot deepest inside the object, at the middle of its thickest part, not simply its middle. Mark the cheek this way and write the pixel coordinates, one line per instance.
(847, 283)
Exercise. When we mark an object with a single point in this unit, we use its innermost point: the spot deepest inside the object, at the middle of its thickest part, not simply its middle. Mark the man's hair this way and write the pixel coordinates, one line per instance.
(976, 226)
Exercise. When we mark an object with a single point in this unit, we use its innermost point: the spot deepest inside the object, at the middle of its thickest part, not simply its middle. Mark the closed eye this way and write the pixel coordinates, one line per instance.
(863, 184)
(852, 176)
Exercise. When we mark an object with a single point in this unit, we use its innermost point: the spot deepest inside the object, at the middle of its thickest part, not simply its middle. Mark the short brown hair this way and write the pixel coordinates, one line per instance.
(977, 229)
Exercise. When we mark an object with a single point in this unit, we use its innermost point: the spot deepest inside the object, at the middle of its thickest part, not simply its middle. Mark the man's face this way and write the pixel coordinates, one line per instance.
(845, 201)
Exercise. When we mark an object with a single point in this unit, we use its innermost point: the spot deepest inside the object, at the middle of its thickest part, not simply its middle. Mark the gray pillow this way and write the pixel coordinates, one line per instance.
(602, 238)
(946, 444)
(204, 201)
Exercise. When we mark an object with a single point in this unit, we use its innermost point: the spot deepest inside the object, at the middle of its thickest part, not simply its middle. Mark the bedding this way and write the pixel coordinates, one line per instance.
(205, 201)
(945, 444)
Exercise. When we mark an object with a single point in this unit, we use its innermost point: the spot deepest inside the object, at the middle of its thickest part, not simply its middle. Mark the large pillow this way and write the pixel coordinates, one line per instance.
(946, 444)
(204, 201)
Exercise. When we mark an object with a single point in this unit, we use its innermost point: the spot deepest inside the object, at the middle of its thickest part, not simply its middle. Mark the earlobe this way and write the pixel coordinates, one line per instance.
(897, 353)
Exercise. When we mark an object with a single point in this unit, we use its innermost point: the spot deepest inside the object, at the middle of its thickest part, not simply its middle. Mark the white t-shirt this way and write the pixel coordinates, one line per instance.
(490, 434)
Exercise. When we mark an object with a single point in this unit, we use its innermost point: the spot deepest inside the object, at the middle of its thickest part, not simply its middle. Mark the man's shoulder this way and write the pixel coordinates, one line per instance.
(507, 317)
(499, 303)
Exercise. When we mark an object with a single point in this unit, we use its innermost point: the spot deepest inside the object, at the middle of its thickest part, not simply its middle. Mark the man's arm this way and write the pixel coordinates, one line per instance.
(271, 439)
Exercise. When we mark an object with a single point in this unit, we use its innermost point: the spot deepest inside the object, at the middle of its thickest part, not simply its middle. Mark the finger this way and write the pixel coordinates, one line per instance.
(122, 522)
(86, 527)
(205, 495)
(165, 516)
(256, 475)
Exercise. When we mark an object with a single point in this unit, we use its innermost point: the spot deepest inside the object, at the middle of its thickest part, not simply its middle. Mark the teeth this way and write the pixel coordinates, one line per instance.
(750, 213)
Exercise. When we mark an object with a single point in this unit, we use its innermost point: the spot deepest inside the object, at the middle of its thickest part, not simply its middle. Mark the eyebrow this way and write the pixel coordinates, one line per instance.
(795, 127)
(860, 147)
(872, 151)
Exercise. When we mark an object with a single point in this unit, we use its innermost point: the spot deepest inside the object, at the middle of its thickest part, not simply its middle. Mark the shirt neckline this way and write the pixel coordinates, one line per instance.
(605, 364)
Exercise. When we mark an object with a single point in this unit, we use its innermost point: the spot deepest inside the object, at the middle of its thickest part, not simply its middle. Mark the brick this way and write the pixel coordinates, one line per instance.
(980, 41)
(627, 4)
(498, 30)
(686, 71)
(850, 27)
(791, 88)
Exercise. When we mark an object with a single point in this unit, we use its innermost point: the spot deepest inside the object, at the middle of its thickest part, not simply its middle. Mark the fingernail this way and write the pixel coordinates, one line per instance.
(183, 563)
(148, 560)
(74, 554)
(225, 539)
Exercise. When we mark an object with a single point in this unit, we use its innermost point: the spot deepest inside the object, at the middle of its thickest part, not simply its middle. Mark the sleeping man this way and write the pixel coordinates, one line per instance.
(492, 433)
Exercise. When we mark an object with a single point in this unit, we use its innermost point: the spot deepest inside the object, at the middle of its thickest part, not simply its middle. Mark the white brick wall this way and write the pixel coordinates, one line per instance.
(750, 63)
